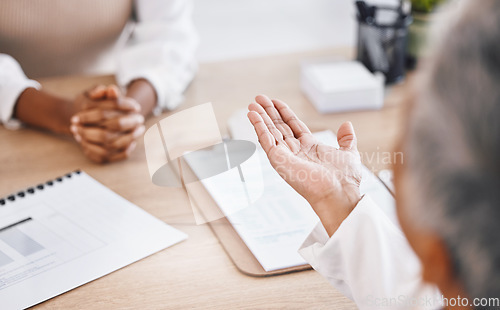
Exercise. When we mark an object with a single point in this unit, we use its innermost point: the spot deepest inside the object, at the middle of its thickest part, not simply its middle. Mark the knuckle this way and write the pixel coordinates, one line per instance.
(113, 124)
(101, 134)
(115, 144)
(108, 137)
(118, 144)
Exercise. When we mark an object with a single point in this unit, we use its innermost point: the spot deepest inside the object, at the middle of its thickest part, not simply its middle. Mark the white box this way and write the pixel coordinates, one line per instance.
(342, 86)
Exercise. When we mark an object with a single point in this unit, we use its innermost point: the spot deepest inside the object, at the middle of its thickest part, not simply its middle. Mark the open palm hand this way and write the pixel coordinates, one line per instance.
(327, 177)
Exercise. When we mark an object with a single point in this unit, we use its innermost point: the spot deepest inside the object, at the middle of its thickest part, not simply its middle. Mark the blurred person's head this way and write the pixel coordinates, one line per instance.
(449, 185)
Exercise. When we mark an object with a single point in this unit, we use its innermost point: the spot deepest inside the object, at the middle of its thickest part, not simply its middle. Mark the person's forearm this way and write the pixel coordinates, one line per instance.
(330, 217)
(333, 211)
(144, 93)
(42, 110)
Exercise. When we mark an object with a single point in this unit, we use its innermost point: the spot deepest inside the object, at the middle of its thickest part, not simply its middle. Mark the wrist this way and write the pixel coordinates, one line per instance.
(39, 109)
(333, 209)
(144, 93)
(64, 109)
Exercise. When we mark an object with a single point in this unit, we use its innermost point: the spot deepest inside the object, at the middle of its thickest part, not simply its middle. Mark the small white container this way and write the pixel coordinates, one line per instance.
(342, 86)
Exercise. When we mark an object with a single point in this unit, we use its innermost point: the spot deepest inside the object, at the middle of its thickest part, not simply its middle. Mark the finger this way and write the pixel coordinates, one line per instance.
(94, 148)
(99, 103)
(94, 116)
(128, 104)
(95, 134)
(124, 104)
(105, 104)
(288, 136)
(124, 154)
(346, 137)
(94, 157)
(266, 139)
(124, 123)
(289, 117)
(278, 136)
(77, 137)
(125, 140)
(98, 92)
(100, 155)
(112, 92)
(268, 106)
(74, 131)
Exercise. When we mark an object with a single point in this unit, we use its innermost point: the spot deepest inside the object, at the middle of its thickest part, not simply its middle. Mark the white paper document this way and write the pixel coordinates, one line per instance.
(61, 236)
(275, 226)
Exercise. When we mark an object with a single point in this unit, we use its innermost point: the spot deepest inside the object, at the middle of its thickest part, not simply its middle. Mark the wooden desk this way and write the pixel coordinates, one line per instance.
(196, 273)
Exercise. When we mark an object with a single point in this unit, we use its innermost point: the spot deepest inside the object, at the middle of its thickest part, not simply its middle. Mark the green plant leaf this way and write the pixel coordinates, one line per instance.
(424, 5)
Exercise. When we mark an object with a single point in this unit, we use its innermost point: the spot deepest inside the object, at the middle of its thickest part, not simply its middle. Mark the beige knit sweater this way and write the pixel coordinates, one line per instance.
(59, 37)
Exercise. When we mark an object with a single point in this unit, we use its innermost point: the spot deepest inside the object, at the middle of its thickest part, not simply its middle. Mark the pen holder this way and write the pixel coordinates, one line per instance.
(382, 42)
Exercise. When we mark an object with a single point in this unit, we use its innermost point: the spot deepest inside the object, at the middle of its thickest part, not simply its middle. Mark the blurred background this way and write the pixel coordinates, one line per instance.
(235, 29)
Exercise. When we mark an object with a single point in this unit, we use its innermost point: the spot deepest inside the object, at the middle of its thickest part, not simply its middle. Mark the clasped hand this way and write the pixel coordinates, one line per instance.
(107, 124)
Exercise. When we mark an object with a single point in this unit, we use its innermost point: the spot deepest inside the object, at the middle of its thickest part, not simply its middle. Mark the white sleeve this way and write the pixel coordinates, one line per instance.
(369, 260)
(13, 82)
(161, 49)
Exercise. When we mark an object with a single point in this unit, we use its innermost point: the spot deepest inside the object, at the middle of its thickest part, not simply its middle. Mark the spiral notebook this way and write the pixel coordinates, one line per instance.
(68, 231)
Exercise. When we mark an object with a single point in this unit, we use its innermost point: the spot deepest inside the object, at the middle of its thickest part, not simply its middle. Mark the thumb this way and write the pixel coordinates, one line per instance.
(113, 92)
(346, 137)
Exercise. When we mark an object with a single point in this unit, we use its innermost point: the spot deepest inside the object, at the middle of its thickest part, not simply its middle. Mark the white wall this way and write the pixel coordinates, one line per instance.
(232, 29)
(244, 28)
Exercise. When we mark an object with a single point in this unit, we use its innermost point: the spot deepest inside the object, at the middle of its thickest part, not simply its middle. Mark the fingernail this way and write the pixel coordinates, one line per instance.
(75, 119)
(78, 138)
(130, 121)
(132, 146)
(126, 122)
(73, 129)
(139, 132)
(136, 107)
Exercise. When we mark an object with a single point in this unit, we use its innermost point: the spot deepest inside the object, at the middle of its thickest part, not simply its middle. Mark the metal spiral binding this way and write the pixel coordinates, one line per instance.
(31, 190)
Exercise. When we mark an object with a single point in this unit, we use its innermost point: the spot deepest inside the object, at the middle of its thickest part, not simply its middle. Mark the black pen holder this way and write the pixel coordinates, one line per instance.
(382, 44)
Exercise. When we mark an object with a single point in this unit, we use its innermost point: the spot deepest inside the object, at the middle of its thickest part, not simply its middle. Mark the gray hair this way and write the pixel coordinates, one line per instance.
(453, 143)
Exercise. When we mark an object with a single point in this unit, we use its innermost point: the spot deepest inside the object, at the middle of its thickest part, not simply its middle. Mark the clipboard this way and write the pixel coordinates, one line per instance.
(236, 248)
(233, 245)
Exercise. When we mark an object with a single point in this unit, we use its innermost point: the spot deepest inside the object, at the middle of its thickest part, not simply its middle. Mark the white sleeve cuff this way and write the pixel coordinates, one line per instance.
(166, 99)
(326, 254)
(13, 82)
(9, 102)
